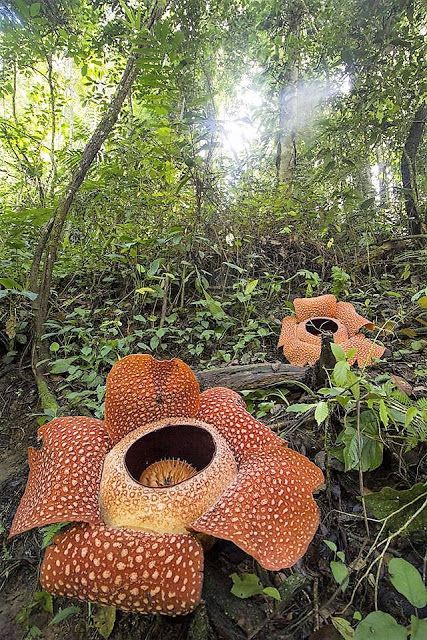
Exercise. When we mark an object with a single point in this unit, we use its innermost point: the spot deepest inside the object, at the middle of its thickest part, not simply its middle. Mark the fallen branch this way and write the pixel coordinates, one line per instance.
(251, 376)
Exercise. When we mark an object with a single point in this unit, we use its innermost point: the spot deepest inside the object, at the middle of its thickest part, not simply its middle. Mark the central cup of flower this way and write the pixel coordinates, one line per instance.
(164, 475)
(317, 326)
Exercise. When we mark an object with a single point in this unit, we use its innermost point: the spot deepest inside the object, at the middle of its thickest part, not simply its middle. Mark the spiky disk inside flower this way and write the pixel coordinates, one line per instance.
(167, 472)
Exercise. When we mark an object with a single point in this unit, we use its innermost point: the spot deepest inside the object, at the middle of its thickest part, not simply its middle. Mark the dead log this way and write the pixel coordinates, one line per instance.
(251, 376)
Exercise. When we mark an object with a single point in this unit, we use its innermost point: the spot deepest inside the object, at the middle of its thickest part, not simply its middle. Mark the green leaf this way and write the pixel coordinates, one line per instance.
(383, 413)
(8, 283)
(246, 585)
(340, 373)
(331, 545)
(386, 502)
(322, 412)
(299, 408)
(343, 627)
(104, 618)
(35, 9)
(54, 347)
(418, 628)
(407, 580)
(50, 532)
(145, 290)
(379, 626)
(338, 352)
(422, 302)
(154, 342)
(154, 267)
(339, 571)
(250, 287)
(272, 592)
(62, 365)
(63, 614)
(410, 415)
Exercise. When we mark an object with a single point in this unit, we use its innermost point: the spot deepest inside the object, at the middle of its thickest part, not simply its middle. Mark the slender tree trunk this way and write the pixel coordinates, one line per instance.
(286, 161)
(52, 103)
(408, 171)
(54, 233)
(286, 156)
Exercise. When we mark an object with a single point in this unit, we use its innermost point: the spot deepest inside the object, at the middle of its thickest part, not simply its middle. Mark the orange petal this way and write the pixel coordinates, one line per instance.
(301, 353)
(269, 509)
(225, 410)
(288, 331)
(65, 473)
(366, 350)
(351, 319)
(320, 306)
(131, 570)
(141, 389)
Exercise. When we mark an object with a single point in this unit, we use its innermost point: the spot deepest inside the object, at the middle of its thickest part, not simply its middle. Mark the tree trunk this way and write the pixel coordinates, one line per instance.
(54, 233)
(286, 157)
(286, 161)
(408, 171)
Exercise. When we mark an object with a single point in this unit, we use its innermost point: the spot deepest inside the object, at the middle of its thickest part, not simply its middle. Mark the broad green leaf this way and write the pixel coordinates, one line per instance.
(62, 366)
(272, 592)
(338, 352)
(422, 302)
(322, 412)
(54, 347)
(340, 373)
(154, 267)
(35, 9)
(418, 628)
(379, 626)
(104, 618)
(343, 627)
(331, 545)
(250, 287)
(299, 408)
(339, 571)
(8, 283)
(246, 585)
(387, 501)
(407, 580)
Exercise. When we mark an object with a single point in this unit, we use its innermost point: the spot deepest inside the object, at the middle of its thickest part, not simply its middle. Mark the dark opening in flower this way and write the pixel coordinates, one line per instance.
(170, 455)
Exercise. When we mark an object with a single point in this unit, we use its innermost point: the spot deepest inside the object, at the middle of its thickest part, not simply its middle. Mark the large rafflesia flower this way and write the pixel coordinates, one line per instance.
(301, 339)
(168, 469)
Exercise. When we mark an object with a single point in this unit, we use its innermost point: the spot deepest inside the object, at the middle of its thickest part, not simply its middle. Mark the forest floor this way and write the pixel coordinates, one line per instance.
(310, 596)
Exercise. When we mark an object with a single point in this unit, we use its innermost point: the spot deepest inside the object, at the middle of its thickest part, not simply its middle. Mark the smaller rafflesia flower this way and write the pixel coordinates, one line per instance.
(167, 471)
(301, 339)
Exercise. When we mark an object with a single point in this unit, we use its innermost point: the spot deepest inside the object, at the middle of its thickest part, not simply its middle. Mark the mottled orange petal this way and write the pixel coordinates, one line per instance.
(320, 306)
(288, 331)
(269, 510)
(225, 410)
(130, 570)
(141, 389)
(366, 350)
(351, 319)
(301, 353)
(63, 483)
